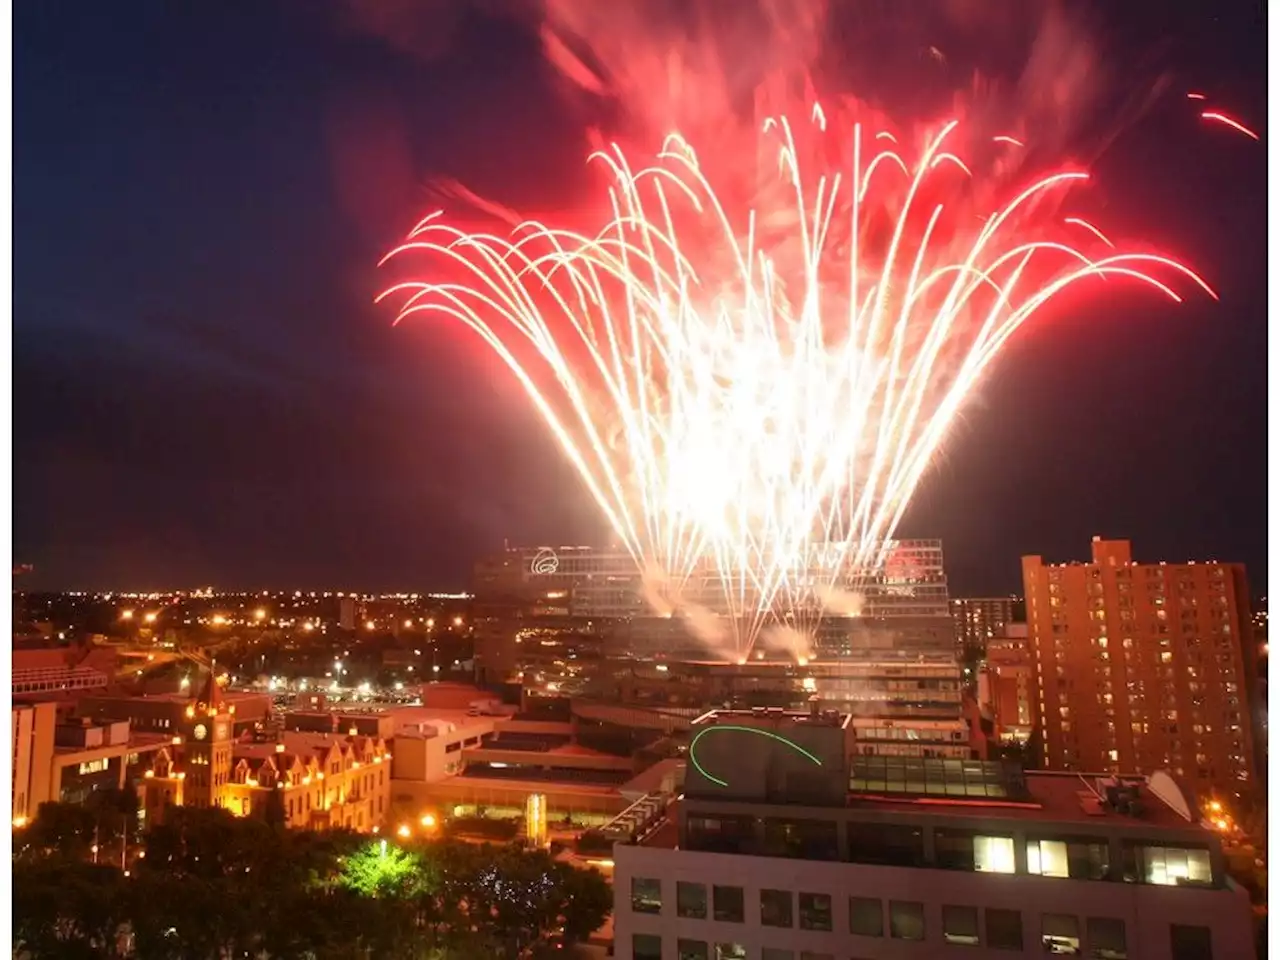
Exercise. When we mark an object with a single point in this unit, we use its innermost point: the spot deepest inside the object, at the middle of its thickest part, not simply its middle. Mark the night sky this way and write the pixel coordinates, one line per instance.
(204, 391)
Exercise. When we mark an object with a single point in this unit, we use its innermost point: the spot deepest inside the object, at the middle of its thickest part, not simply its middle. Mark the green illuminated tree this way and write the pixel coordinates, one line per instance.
(382, 869)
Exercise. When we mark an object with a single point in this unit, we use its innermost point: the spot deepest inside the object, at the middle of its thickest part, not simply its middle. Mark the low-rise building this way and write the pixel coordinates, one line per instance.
(785, 845)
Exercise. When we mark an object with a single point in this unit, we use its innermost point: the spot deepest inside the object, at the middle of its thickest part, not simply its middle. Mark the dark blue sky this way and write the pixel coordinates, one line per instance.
(204, 391)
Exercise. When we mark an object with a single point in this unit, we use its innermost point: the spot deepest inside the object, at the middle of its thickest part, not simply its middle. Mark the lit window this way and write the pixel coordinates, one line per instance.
(993, 855)
(1175, 866)
(1060, 934)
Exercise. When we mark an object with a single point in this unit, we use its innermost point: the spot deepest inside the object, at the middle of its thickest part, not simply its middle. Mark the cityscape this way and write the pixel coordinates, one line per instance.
(713, 599)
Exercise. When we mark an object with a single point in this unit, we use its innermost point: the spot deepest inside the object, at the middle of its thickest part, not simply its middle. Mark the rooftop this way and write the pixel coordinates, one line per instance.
(775, 716)
(1032, 796)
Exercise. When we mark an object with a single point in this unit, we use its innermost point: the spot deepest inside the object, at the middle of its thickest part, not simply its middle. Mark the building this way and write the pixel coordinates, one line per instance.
(978, 619)
(1145, 666)
(786, 846)
(33, 730)
(169, 713)
(1007, 689)
(538, 604)
(314, 780)
(61, 759)
(899, 704)
(55, 670)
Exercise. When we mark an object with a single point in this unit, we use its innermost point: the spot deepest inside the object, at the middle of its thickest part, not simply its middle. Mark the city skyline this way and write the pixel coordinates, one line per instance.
(238, 412)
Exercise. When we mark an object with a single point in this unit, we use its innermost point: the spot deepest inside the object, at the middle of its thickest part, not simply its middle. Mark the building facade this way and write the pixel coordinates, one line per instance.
(1145, 666)
(563, 599)
(1007, 689)
(979, 619)
(65, 760)
(782, 848)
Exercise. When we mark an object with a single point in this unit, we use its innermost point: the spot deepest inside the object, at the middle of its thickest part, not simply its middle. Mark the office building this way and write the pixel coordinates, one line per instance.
(785, 845)
(62, 759)
(1144, 667)
(584, 594)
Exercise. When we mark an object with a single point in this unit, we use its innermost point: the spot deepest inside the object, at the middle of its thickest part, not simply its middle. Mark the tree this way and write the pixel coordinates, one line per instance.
(63, 830)
(68, 909)
(382, 869)
(586, 900)
(273, 812)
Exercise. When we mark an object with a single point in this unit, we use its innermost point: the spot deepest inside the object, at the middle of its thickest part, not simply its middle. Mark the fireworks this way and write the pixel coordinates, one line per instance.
(751, 387)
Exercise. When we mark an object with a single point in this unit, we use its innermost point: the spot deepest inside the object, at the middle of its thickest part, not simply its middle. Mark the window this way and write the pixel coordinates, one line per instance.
(646, 946)
(906, 920)
(866, 916)
(960, 925)
(1060, 934)
(727, 905)
(993, 855)
(1106, 938)
(692, 950)
(1080, 859)
(731, 951)
(961, 850)
(776, 908)
(1190, 943)
(879, 843)
(1004, 929)
(646, 895)
(815, 911)
(806, 839)
(691, 900)
(1174, 866)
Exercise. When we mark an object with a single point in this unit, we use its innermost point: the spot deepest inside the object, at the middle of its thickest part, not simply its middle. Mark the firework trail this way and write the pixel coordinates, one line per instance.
(751, 384)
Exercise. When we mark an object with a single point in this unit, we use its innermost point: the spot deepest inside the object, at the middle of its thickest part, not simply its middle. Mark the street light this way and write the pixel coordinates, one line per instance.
(403, 832)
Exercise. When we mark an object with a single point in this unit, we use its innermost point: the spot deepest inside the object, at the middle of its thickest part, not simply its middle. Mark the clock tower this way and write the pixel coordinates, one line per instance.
(207, 746)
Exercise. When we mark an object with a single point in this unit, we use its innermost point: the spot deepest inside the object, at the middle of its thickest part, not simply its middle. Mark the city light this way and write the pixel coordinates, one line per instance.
(149, 618)
(428, 821)
(259, 614)
(126, 614)
(403, 832)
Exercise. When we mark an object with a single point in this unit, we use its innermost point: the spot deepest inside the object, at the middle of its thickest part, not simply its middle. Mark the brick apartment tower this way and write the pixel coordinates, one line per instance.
(1145, 666)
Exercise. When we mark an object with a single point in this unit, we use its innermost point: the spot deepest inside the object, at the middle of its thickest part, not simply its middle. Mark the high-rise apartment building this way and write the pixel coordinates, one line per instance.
(1145, 666)
(978, 619)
